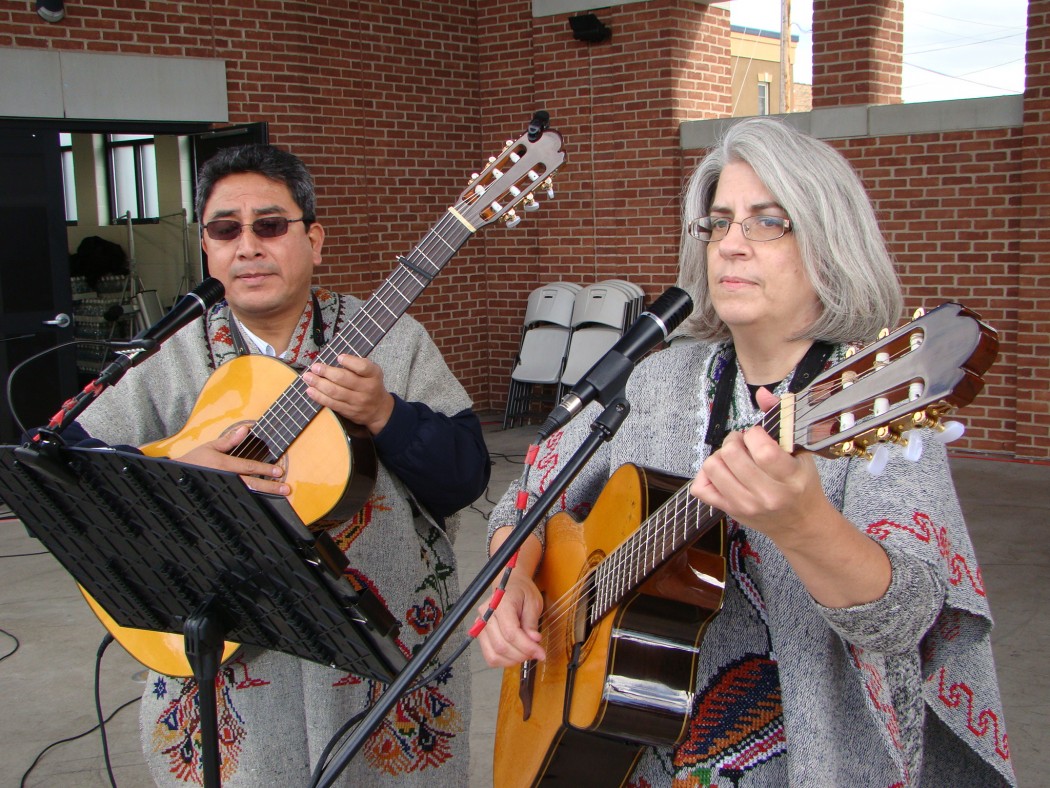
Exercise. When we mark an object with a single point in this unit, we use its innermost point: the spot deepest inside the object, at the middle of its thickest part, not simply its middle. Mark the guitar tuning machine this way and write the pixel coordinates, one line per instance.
(511, 219)
(943, 431)
(878, 460)
(549, 186)
(909, 440)
(530, 204)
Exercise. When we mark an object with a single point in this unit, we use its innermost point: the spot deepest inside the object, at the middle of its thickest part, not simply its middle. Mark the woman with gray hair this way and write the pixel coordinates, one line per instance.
(850, 648)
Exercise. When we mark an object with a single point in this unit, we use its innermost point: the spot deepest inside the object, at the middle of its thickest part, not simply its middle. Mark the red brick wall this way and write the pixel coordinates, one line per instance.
(1033, 302)
(859, 59)
(394, 104)
(947, 204)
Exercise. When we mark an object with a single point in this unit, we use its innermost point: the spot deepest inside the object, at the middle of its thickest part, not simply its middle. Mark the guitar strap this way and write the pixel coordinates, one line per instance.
(808, 368)
(317, 328)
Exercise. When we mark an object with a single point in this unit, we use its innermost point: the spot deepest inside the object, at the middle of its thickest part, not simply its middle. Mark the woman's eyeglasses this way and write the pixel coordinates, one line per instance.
(267, 227)
(710, 229)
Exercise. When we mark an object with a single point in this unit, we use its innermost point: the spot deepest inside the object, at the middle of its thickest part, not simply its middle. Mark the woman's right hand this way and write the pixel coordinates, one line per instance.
(512, 636)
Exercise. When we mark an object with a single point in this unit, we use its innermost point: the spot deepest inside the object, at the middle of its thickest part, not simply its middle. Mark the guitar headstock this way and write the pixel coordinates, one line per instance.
(523, 166)
(907, 379)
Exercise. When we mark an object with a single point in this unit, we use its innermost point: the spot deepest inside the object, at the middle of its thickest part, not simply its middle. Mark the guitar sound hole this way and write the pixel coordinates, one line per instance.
(254, 448)
(581, 613)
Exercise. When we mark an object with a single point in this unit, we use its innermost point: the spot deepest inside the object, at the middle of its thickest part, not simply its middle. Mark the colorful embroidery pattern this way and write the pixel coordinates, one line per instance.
(177, 731)
(424, 617)
(417, 735)
(737, 723)
(346, 533)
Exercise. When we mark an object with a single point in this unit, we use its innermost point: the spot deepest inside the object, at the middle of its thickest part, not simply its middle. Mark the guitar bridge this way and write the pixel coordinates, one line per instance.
(526, 681)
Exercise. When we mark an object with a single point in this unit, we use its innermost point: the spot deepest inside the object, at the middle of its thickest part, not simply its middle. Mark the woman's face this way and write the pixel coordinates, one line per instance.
(756, 285)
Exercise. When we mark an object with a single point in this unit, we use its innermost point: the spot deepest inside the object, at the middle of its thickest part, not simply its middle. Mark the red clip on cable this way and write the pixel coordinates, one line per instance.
(497, 597)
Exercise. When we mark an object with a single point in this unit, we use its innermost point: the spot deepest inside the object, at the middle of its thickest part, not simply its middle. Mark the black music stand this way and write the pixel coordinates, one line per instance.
(171, 547)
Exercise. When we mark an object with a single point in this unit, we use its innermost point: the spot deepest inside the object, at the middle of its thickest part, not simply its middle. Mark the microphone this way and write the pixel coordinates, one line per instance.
(608, 377)
(147, 342)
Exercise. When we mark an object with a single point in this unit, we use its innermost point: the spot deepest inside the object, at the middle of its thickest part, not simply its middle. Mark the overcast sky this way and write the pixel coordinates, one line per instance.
(952, 48)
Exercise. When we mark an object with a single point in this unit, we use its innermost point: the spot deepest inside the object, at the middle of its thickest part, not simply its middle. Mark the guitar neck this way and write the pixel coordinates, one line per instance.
(285, 420)
(393, 298)
(678, 523)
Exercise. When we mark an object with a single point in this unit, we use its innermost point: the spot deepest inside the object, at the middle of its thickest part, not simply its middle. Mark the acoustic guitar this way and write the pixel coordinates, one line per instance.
(630, 591)
(329, 463)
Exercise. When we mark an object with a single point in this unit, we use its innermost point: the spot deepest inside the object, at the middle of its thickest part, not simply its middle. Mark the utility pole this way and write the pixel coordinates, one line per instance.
(785, 44)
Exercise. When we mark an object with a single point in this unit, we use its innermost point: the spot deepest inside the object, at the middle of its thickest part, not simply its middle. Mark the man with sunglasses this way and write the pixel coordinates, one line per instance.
(256, 205)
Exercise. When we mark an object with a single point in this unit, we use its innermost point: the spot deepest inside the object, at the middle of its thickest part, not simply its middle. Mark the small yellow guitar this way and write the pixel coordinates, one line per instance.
(329, 463)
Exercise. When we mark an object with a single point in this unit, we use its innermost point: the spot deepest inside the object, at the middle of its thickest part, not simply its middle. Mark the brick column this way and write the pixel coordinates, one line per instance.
(858, 47)
(1033, 292)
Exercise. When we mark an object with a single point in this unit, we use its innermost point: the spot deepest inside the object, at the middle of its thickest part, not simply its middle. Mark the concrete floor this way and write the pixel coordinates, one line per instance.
(46, 685)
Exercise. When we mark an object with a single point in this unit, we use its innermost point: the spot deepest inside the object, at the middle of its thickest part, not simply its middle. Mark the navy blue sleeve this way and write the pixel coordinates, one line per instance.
(75, 436)
(442, 459)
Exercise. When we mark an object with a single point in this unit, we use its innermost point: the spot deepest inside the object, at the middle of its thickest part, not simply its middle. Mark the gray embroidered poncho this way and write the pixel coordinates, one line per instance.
(900, 691)
(277, 712)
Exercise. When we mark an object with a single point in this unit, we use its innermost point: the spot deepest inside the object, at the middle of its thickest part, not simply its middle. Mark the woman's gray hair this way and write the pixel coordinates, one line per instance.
(843, 252)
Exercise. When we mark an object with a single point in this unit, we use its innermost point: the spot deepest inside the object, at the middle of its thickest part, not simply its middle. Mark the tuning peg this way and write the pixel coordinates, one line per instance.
(530, 203)
(512, 219)
(878, 460)
(949, 431)
(911, 441)
(549, 186)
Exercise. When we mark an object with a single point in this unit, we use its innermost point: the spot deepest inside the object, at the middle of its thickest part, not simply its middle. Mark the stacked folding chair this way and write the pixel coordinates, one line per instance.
(541, 353)
(603, 311)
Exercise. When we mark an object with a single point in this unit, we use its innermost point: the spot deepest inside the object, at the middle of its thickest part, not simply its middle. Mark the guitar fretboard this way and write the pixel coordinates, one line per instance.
(292, 412)
(680, 521)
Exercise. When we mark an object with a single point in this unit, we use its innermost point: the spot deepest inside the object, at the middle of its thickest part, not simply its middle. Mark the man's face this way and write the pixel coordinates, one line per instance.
(265, 278)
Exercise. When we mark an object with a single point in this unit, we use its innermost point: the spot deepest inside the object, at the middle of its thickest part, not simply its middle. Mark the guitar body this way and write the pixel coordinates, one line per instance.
(330, 467)
(606, 690)
(331, 474)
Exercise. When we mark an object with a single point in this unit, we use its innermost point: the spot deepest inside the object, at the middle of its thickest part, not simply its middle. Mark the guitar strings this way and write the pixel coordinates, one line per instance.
(275, 423)
(652, 536)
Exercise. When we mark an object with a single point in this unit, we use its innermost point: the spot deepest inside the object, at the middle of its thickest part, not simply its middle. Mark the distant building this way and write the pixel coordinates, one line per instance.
(757, 80)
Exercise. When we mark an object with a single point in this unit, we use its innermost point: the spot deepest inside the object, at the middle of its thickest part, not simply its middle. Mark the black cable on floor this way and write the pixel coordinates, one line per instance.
(101, 722)
(18, 644)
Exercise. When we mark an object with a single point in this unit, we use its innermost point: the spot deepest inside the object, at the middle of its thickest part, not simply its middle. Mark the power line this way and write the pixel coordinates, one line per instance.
(963, 79)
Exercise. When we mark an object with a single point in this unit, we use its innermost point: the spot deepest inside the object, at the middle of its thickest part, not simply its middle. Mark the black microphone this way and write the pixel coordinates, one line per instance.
(147, 342)
(608, 377)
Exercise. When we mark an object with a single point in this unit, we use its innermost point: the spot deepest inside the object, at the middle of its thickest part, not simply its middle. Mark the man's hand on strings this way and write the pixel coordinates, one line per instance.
(259, 476)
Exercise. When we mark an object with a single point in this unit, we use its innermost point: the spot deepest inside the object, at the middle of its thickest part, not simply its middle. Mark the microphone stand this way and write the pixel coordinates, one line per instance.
(602, 430)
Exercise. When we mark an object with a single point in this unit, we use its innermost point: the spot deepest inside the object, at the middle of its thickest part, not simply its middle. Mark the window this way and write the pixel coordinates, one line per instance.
(69, 183)
(763, 98)
(132, 176)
